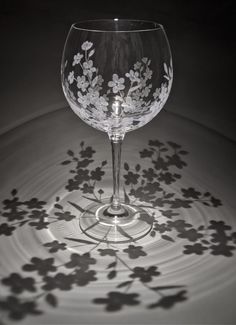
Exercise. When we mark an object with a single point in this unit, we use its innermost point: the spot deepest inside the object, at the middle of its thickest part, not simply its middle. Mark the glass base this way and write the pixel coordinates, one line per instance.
(103, 223)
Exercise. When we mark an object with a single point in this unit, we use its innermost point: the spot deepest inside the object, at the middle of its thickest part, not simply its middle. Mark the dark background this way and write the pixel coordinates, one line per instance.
(201, 35)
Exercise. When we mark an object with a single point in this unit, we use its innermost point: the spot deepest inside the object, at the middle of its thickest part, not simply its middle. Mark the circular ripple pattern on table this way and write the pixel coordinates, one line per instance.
(31, 162)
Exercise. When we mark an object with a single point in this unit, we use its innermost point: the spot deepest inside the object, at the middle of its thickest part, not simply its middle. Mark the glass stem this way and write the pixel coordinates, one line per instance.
(116, 159)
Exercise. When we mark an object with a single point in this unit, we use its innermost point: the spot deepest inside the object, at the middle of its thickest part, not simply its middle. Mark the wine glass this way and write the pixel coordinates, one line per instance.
(116, 76)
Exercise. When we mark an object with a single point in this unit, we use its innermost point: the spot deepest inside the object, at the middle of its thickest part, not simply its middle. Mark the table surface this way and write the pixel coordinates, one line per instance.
(182, 272)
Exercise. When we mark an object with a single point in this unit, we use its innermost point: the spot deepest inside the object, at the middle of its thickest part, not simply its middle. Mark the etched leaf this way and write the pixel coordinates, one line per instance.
(134, 88)
(166, 69)
(94, 82)
(91, 53)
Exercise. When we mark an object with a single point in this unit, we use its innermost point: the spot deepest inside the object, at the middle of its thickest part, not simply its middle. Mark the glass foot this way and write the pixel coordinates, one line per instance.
(102, 223)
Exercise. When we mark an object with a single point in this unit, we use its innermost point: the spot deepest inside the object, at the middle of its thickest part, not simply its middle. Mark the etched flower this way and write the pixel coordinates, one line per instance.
(86, 46)
(82, 99)
(137, 94)
(116, 84)
(133, 76)
(148, 74)
(164, 93)
(100, 80)
(129, 105)
(101, 104)
(77, 59)
(71, 77)
(92, 96)
(156, 93)
(82, 83)
(137, 65)
(145, 60)
(145, 92)
(89, 69)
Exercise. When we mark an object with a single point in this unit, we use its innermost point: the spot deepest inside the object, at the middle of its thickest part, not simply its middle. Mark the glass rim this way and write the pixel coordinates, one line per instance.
(155, 26)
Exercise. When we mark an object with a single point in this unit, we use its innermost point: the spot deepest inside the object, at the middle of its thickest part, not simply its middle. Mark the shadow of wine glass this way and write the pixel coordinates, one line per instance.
(148, 186)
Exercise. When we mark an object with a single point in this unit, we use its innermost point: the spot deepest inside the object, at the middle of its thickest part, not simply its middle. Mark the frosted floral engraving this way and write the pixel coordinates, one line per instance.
(124, 102)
